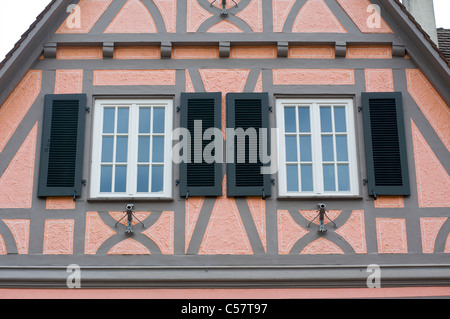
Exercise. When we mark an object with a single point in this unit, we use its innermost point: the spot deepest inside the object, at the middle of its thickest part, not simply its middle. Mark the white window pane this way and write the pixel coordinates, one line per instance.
(122, 149)
(291, 148)
(343, 177)
(142, 178)
(292, 178)
(327, 148)
(105, 178)
(307, 178)
(157, 178)
(120, 183)
(341, 148)
(144, 119)
(325, 119)
(305, 149)
(158, 149)
(339, 119)
(122, 120)
(144, 149)
(107, 149)
(304, 120)
(290, 124)
(158, 120)
(329, 177)
(108, 120)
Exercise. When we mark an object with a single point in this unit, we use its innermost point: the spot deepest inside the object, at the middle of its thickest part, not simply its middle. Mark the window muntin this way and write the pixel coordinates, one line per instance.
(317, 154)
(131, 150)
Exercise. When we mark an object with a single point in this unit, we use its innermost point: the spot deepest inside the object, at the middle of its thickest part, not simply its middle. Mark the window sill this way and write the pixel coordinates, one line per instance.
(130, 198)
(320, 196)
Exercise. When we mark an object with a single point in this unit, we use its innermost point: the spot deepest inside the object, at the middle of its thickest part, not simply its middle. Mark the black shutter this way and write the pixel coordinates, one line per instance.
(200, 179)
(384, 131)
(247, 112)
(61, 160)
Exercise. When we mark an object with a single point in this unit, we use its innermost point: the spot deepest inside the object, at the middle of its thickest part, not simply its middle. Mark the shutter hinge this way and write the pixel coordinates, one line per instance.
(365, 181)
(360, 108)
(178, 108)
(272, 181)
(88, 109)
(83, 181)
(177, 181)
(270, 109)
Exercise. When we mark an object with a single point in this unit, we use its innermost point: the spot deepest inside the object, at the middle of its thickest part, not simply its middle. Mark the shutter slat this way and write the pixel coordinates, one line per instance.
(200, 179)
(62, 145)
(387, 166)
(247, 111)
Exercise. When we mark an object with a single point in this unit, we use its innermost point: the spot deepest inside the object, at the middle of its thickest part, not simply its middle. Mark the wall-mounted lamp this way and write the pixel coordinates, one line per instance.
(129, 215)
(322, 214)
(224, 11)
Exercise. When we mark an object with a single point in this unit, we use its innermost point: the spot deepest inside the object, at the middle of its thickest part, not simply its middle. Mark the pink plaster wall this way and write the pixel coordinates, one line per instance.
(168, 10)
(253, 15)
(58, 236)
(245, 293)
(193, 206)
(354, 231)
(84, 17)
(322, 246)
(162, 232)
(134, 17)
(20, 228)
(59, 203)
(360, 14)
(433, 181)
(379, 80)
(315, 16)
(431, 104)
(369, 52)
(129, 247)
(225, 26)
(195, 52)
(134, 77)
(195, 16)
(17, 105)
(225, 233)
(311, 52)
(391, 235)
(68, 81)
(97, 232)
(79, 53)
(429, 228)
(253, 52)
(16, 183)
(289, 232)
(137, 52)
(281, 9)
(389, 202)
(313, 77)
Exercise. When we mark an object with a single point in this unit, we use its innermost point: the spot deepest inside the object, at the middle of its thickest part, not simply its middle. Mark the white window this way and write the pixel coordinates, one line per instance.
(317, 147)
(131, 154)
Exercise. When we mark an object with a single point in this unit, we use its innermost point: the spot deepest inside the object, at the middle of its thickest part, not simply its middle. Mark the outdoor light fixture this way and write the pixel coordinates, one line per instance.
(224, 11)
(129, 214)
(322, 213)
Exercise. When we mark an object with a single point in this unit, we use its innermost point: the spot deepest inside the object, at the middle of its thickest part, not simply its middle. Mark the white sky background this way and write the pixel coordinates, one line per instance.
(17, 15)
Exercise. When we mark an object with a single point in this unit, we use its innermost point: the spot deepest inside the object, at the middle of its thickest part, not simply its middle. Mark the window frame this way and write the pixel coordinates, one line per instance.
(316, 152)
(132, 156)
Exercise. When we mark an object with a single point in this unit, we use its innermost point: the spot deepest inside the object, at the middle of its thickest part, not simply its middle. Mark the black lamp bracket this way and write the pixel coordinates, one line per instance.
(224, 11)
(322, 214)
(129, 214)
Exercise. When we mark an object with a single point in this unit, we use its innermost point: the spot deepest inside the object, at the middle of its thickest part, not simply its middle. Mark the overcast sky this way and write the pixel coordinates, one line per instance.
(17, 15)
